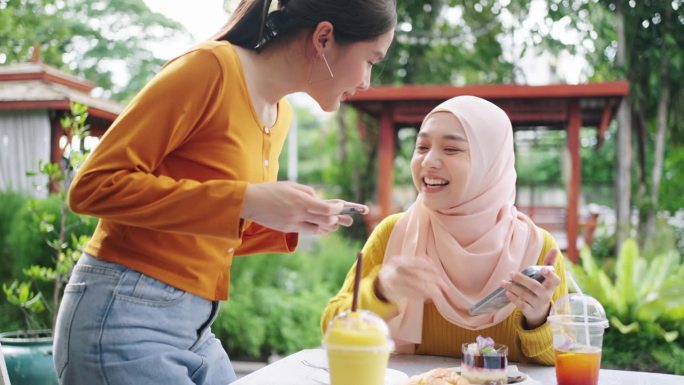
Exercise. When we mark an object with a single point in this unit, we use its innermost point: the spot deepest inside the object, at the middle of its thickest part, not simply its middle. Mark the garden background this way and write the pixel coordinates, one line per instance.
(276, 300)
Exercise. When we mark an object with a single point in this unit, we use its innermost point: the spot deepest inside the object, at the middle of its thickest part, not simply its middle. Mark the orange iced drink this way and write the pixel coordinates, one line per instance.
(578, 323)
(578, 367)
(358, 349)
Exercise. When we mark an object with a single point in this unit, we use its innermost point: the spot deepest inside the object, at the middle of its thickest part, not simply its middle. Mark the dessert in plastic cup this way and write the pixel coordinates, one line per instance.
(485, 362)
(358, 348)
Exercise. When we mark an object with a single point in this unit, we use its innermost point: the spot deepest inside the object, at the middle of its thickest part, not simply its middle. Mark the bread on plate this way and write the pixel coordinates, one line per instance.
(439, 376)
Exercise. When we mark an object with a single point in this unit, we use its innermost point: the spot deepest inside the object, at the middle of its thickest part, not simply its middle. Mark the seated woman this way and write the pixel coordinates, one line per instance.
(461, 239)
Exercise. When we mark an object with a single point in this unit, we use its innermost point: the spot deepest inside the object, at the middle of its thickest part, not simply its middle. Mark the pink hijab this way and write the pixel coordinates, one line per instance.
(477, 242)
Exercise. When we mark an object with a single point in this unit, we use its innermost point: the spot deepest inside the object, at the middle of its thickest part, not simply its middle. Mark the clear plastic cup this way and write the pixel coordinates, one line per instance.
(577, 322)
(358, 347)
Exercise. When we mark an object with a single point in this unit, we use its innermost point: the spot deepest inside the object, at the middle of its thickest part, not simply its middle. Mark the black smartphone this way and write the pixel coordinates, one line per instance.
(497, 298)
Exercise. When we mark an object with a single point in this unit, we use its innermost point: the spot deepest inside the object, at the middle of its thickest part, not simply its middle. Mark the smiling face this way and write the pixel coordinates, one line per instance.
(350, 65)
(441, 161)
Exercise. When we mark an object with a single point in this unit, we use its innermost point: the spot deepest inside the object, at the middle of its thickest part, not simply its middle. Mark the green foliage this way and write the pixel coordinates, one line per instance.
(28, 238)
(604, 246)
(21, 294)
(644, 302)
(86, 37)
(653, 63)
(46, 238)
(449, 41)
(641, 351)
(671, 197)
(12, 203)
(276, 301)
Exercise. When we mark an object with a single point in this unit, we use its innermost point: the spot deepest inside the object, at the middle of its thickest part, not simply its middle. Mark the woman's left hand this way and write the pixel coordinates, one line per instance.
(531, 297)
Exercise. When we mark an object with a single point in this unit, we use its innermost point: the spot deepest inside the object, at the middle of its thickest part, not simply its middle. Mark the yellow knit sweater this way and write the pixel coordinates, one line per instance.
(440, 337)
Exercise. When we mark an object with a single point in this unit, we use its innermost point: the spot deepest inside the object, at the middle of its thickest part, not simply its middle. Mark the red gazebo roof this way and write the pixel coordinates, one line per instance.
(527, 106)
(38, 86)
(27, 86)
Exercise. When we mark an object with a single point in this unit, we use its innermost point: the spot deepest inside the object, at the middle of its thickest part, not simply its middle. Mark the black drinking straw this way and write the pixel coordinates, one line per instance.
(357, 280)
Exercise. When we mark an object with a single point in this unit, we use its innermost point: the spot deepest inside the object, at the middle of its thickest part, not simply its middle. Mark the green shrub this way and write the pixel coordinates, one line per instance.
(239, 326)
(28, 245)
(46, 238)
(645, 306)
(12, 202)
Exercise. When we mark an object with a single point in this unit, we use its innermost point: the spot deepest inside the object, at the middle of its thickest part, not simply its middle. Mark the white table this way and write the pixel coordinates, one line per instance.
(291, 371)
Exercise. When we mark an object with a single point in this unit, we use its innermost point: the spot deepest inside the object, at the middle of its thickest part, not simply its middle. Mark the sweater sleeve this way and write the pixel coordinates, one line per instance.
(373, 256)
(537, 344)
(120, 181)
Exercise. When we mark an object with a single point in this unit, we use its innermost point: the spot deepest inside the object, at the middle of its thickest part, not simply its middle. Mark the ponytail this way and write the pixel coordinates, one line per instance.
(246, 27)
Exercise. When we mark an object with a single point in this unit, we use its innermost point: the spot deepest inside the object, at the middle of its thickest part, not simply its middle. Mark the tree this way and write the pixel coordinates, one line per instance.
(452, 42)
(654, 59)
(87, 38)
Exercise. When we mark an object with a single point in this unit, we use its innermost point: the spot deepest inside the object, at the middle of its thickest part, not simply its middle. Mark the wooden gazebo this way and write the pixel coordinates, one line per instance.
(38, 86)
(33, 98)
(561, 107)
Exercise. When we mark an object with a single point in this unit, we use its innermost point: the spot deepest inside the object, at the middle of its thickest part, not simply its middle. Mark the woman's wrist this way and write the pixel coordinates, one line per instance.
(533, 323)
(377, 290)
(247, 203)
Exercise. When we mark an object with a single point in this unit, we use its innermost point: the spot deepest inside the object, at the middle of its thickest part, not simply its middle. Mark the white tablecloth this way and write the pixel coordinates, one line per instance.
(291, 371)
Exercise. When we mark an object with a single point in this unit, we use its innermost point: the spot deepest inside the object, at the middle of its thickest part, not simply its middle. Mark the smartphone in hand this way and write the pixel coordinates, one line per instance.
(497, 298)
(349, 210)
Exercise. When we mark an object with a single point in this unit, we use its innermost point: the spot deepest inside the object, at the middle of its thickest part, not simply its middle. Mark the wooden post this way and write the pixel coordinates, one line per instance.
(386, 149)
(573, 143)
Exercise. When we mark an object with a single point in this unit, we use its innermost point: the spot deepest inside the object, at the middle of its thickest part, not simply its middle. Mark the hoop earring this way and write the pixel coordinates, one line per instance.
(327, 66)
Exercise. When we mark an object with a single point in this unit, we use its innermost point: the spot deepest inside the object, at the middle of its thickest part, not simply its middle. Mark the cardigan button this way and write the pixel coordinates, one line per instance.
(230, 250)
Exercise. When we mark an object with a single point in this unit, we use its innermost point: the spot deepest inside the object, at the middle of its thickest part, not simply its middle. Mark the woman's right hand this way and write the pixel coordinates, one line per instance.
(291, 207)
(408, 278)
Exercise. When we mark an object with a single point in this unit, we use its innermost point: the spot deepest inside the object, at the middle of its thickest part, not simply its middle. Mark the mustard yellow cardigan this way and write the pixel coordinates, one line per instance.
(440, 337)
(169, 178)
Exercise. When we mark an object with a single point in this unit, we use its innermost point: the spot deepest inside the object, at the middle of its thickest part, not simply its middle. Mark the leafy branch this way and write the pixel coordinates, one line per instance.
(27, 294)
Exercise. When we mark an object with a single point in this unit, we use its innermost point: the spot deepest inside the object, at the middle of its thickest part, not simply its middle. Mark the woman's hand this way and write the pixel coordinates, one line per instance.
(292, 207)
(531, 297)
(408, 278)
(346, 219)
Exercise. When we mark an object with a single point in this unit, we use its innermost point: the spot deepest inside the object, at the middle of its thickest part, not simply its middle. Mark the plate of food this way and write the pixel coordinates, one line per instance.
(513, 376)
(486, 362)
(438, 376)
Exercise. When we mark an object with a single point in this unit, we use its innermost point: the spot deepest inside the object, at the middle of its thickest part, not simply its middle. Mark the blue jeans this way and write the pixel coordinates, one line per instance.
(116, 326)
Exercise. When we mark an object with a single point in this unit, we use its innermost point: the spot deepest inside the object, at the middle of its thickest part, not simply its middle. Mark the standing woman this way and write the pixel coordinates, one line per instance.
(185, 179)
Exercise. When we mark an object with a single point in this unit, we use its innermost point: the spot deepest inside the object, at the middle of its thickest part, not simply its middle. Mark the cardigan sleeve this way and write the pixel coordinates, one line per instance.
(373, 256)
(119, 182)
(260, 239)
(537, 344)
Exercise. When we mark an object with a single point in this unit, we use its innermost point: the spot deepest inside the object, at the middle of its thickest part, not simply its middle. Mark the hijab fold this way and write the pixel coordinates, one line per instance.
(476, 242)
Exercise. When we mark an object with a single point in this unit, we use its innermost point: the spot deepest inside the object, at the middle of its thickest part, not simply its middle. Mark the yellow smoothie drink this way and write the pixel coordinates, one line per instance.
(358, 349)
